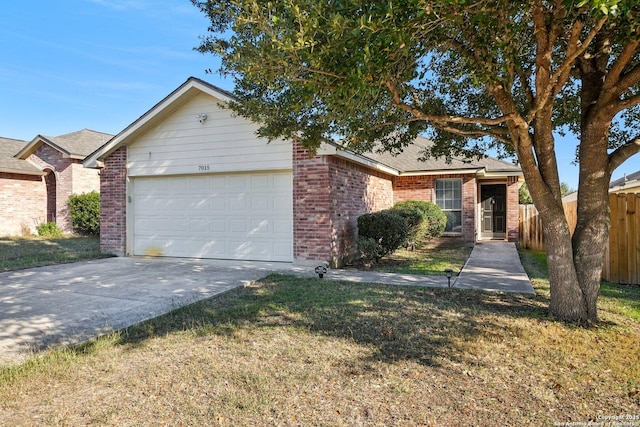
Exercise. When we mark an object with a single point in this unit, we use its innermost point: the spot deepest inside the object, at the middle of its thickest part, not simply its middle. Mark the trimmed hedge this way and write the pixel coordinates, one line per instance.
(425, 220)
(85, 212)
(387, 229)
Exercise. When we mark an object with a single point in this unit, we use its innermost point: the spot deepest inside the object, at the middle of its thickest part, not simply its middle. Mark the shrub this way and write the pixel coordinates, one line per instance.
(368, 249)
(85, 212)
(425, 220)
(49, 229)
(387, 228)
(436, 220)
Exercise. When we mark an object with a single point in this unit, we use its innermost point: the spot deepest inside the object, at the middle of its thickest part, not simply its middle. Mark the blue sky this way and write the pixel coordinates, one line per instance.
(67, 65)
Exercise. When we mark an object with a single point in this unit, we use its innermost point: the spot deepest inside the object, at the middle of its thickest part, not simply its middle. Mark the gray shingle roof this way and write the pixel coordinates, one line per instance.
(409, 161)
(79, 144)
(8, 163)
(621, 181)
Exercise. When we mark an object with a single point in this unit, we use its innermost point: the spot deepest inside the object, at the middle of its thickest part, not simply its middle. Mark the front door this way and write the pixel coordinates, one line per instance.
(493, 199)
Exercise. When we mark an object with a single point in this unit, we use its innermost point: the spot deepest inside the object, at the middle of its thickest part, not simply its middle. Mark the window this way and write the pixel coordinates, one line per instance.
(449, 198)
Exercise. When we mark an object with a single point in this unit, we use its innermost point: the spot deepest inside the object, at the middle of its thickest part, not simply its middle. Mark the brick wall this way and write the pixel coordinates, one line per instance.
(422, 188)
(71, 178)
(23, 199)
(311, 206)
(355, 190)
(46, 157)
(113, 203)
(328, 196)
(414, 188)
(513, 233)
(85, 180)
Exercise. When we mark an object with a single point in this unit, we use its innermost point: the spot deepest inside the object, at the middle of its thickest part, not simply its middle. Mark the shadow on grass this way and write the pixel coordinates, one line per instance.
(421, 324)
(20, 253)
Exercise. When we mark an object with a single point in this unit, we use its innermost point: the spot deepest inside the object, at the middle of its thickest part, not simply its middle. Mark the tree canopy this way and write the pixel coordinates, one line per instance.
(470, 75)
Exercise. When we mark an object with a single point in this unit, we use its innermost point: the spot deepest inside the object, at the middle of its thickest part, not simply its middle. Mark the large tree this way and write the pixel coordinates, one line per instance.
(471, 75)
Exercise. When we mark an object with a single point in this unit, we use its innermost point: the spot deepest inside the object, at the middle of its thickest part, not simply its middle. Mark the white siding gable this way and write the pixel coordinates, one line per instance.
(180, 144)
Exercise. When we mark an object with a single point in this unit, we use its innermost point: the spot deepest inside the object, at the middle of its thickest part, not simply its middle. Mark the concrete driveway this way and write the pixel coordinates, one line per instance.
(69, 303)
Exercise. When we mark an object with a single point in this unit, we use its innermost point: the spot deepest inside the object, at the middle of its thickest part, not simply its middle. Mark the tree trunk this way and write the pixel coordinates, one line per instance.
(592, 230)
(567, 302)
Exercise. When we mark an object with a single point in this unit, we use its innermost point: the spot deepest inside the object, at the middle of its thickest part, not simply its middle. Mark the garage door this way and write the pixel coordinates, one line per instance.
(244, 216)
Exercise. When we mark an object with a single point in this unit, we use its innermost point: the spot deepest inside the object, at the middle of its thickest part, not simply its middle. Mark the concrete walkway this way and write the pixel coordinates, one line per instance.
(492, 266)
(69, 303)
(495, 266)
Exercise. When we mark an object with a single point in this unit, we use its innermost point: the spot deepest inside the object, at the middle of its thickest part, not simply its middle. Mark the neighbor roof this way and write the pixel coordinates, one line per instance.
(76, 145)
(625, 180)
(9, 164)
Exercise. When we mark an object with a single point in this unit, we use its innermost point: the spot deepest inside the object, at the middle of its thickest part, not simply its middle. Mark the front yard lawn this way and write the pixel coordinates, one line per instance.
(291, 351)
(18, 253)
(430, 258)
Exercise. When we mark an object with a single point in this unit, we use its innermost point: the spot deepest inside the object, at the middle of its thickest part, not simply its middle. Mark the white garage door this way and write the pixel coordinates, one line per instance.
(244, 216)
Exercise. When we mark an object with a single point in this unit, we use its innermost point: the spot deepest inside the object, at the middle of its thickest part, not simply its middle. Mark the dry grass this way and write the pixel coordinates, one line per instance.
(429, 257)
(20, 252)
(290, 351)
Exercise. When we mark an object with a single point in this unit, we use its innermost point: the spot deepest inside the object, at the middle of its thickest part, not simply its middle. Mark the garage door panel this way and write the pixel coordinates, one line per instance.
(236, 216)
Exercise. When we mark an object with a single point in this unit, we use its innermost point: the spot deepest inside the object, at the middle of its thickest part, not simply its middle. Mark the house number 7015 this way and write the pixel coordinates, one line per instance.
(203, 167)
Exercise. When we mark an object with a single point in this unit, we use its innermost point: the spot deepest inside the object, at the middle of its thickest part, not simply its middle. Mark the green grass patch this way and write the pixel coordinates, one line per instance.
(19, 253)
(430, 258)
(616, 298)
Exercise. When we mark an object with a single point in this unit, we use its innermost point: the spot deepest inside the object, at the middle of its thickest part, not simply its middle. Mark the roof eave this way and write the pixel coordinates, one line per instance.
(502, 174)
(22, 172)
(474, 171)
(32, 146)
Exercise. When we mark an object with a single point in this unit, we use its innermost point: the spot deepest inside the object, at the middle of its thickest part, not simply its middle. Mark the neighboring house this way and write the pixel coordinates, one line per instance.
(627, 184)
(37, 177)
(191, 179)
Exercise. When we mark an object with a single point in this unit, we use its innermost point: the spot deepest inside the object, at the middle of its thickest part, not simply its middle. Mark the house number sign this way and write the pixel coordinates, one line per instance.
(203, 168)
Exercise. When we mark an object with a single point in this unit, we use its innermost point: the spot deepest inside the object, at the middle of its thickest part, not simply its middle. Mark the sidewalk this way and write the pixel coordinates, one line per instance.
(492, 266)
(495, 266)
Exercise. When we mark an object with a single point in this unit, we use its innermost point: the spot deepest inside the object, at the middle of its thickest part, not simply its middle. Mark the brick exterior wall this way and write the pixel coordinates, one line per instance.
(355, 190)
(71, 178)
(513, 212)
(24, 203)
(422, 188)
(84, 180)
(113, 203)
(311, 206)
(328, 196)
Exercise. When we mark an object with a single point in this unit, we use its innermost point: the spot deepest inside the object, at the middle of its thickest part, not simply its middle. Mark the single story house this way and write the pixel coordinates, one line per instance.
(37, 177)
(190, 179)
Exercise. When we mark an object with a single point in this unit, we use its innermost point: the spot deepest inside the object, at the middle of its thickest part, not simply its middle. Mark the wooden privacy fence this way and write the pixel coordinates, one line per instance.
(530, 225)
(622, 256)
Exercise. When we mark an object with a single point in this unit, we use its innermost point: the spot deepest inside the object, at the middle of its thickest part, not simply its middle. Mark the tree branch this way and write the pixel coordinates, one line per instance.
(623, 153)
(575, 48)
(627, 80)
(627, 103)
(416, 112)
(615, 79)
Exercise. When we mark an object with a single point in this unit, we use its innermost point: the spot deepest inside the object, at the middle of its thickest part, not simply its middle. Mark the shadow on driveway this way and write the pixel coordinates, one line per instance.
(69, 303)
